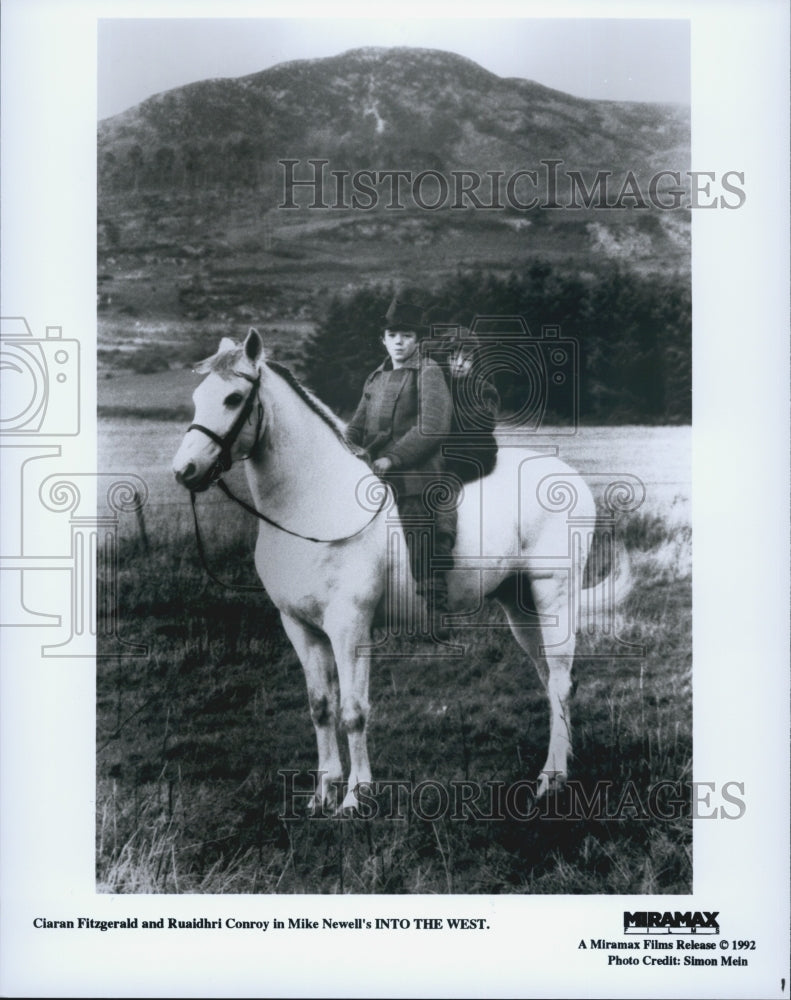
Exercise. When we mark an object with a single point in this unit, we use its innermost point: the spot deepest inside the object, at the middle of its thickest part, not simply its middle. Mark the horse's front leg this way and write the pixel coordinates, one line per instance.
(349, 636)
(315, 653)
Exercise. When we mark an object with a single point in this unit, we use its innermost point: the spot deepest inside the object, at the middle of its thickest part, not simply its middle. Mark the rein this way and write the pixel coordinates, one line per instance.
(204, 560)
(252, 510)
(224, 463)
(296, 534)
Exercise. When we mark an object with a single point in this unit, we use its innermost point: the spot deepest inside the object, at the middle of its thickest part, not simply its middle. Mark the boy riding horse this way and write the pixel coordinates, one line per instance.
(401, 423)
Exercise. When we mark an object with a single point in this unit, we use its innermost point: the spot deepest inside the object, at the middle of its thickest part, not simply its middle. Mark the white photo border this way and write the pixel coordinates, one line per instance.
(740, 265)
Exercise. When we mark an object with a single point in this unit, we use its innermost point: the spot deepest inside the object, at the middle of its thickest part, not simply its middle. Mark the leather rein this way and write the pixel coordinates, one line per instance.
(223, 464)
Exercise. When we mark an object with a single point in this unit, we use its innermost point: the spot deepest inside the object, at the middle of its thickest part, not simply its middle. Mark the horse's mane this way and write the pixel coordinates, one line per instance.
(226, 361)
(312, 401)
(223, 362)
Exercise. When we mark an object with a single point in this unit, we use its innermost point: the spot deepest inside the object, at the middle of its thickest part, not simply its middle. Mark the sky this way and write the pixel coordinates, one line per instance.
(604, 59)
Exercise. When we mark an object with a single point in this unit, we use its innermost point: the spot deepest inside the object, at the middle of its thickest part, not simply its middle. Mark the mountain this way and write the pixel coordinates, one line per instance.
(192, 186)
(376, 108)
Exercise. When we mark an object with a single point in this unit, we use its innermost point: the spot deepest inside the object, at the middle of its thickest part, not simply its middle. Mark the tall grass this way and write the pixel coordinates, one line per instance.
(192, 737)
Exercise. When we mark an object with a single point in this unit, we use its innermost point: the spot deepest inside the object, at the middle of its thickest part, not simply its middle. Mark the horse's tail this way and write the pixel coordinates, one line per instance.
(598, 603)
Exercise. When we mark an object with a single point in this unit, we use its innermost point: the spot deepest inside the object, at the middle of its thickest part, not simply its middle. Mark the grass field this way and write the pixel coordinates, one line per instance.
(191, 738)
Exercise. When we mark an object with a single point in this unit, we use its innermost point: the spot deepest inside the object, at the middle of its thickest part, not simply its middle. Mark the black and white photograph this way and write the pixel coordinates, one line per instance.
(395, 488)
(453, 368)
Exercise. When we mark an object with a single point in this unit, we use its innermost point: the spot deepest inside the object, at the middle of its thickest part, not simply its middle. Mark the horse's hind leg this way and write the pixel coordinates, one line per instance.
(315, 654)
(540, 616)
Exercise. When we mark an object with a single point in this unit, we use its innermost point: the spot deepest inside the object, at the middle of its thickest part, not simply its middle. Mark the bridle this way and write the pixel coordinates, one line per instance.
(226, 443)
(224, 462)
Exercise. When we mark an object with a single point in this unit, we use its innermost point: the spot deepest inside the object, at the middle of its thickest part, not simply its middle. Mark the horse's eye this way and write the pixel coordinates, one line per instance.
(234, 399)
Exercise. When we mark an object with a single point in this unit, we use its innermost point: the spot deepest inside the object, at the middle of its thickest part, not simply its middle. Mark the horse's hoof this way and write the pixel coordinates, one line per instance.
(314, 808)
(550, 783)
(323, 804)
(349, 807)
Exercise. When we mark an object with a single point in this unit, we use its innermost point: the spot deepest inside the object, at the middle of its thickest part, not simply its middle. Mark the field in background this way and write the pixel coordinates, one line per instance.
(190, 738)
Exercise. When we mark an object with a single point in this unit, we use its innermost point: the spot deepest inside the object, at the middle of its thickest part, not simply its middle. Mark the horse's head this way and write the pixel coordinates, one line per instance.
(228, 414)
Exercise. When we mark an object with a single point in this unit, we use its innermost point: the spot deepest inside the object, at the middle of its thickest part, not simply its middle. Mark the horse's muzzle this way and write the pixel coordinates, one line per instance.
(188, 477)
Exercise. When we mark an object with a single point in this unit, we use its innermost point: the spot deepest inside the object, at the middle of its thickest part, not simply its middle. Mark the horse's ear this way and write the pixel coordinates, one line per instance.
(253, 346)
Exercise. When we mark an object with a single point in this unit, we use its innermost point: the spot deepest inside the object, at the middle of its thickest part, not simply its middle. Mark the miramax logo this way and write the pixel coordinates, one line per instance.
(654, 922)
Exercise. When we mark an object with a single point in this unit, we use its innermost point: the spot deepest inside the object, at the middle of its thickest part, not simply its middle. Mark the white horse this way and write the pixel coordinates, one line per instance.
(330, 551)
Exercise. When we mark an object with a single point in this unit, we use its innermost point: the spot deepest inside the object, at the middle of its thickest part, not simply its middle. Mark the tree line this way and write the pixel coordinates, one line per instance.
(234, 163)
(625, 337)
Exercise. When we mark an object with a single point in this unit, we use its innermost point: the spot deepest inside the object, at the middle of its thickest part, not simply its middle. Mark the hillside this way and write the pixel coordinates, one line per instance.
(381, 109)
(192, 228)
